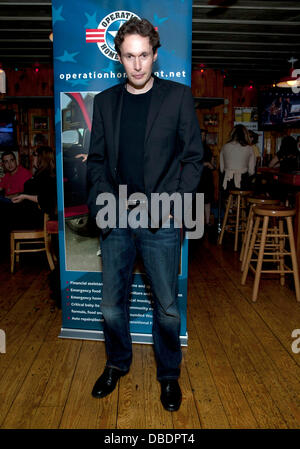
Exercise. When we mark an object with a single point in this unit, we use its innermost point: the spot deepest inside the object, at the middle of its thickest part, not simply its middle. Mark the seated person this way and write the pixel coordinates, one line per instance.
(26, 210)
(15, 176)
(287, 157)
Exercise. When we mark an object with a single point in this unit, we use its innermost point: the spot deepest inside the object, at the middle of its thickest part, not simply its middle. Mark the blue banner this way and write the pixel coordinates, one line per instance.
(85, 63)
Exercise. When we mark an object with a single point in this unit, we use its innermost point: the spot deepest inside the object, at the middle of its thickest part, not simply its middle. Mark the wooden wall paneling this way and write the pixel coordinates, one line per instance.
(27, 82)
(207, 84)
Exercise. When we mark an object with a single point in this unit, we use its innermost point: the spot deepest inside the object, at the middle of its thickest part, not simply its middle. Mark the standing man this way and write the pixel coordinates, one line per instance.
(145, 135)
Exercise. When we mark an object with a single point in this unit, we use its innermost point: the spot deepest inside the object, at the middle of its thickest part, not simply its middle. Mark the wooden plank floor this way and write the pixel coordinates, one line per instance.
(238, 370)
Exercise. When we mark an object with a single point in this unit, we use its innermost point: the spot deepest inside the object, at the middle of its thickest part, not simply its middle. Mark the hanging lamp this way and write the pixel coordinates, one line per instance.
(293, 79)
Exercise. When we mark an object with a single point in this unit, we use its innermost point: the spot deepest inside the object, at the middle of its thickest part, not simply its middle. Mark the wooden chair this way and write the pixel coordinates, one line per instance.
(235, 215)
(38, 239)
(276, 249)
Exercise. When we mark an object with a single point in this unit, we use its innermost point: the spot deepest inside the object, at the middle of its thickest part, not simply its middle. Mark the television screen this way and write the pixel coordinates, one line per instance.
(7, 130)
(279, 108)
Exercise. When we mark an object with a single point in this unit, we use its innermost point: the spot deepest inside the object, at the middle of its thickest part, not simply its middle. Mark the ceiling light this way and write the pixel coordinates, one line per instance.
(292, 80)
(289, 81)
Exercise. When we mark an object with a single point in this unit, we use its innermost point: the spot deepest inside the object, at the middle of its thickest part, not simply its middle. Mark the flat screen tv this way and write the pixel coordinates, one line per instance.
(7, 130)
(278, 108)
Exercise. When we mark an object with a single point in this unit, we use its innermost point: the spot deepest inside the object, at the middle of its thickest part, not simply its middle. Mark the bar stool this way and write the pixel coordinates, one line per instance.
(276, 249)
(235, 215)
(252, 201)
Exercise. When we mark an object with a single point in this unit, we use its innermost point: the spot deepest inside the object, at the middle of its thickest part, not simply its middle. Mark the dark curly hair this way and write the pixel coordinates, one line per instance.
(8, 153)
(288, 148)
(137, 26)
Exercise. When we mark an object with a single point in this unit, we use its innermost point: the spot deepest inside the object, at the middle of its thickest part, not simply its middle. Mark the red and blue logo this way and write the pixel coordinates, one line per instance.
(107, 29)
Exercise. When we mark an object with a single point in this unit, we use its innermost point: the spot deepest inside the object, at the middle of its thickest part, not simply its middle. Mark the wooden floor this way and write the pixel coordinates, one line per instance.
(238, 371)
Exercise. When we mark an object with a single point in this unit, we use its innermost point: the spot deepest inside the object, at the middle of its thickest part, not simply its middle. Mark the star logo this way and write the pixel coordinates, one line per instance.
(91, 20)
(106, 32)
(79, 82)
(67, 57)
(158, 21)
(56, 15)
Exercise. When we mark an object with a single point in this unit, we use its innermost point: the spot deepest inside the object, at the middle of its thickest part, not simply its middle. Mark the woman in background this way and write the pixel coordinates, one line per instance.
(237, 160)
(39, 194)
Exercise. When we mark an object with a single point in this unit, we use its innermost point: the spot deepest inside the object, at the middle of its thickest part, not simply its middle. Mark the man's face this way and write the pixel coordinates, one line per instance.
(10, 164)
(137, 58)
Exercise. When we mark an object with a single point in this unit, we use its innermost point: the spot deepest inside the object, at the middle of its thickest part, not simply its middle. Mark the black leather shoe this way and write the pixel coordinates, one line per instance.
(170, 395)
(107, 382)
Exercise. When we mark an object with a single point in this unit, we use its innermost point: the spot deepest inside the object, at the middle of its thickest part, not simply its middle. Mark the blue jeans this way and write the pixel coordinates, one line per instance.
(160, 252)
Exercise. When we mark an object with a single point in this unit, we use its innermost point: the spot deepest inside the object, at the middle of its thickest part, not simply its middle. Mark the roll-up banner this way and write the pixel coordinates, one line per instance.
(85, 63)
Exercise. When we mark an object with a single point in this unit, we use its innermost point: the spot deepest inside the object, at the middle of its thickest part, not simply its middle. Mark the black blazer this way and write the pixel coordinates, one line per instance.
(173, 147)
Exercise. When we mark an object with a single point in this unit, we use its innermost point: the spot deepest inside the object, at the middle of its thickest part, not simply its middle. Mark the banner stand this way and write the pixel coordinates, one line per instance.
(83, 334)
(85, 63)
